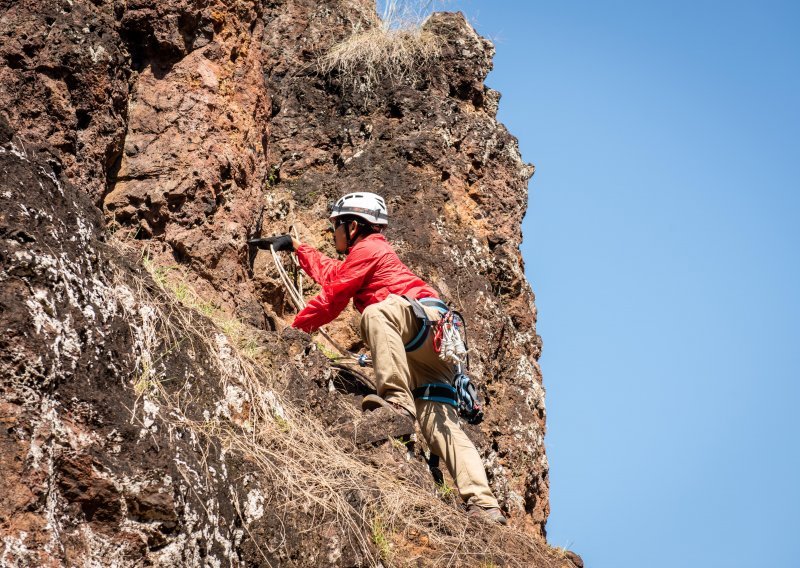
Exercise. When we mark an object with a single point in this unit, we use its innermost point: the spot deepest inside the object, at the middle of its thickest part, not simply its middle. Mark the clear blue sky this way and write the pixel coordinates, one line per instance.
(662, 243)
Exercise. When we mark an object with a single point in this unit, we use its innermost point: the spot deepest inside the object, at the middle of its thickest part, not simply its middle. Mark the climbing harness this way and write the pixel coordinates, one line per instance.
(450, 341)
(437, 392)
(463, 397)
(426, 324)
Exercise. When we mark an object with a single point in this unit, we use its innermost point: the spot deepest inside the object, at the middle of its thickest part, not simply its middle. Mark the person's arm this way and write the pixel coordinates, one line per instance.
(343, 283)
(318, 266)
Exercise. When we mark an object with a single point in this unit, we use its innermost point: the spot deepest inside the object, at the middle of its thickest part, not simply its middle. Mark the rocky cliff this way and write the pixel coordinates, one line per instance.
(155, 408)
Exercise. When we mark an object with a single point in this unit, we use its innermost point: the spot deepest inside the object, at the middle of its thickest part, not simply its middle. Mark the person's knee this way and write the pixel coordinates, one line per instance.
(371, 312)
(369, 317)
(373, 315)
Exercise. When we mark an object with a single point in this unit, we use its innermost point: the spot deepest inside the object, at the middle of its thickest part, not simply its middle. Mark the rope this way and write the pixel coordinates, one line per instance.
(296, 264)
(296, 296)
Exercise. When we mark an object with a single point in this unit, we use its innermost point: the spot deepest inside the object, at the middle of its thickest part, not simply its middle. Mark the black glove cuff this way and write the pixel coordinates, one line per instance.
(283, 242)
(279, 243)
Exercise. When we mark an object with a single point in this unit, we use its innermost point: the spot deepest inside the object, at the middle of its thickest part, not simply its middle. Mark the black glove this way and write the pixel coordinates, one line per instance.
(278, 242)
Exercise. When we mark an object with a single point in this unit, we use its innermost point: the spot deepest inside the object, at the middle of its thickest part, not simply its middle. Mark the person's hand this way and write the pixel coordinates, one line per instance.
(278, 242)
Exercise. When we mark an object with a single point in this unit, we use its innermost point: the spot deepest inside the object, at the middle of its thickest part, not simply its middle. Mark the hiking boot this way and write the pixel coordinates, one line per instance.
(383, 421)
(374, 402)
(489, 514)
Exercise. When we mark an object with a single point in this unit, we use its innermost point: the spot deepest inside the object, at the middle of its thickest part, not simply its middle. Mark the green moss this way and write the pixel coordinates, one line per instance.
(380, 538)
(328, 352)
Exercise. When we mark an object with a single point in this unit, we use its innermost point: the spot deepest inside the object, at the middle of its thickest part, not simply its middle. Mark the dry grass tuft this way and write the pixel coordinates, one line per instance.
(376, 58)
(393, 52)
(386, 519)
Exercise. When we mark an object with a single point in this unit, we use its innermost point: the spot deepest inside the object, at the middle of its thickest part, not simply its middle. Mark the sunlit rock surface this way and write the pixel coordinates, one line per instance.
(138, 143)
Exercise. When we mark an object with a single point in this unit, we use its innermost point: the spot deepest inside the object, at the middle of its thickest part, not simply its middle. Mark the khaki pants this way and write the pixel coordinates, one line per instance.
(386, 327)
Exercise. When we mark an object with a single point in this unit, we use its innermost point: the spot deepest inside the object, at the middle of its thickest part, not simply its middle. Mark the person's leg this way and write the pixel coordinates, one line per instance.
(440, 427)
(386, 327)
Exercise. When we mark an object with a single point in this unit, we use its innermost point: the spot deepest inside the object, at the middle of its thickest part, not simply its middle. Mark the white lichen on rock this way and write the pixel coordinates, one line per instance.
(254, 507)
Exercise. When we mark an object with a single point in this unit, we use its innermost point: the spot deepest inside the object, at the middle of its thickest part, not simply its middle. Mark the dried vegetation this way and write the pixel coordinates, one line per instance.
(385, 519)
(392, 50)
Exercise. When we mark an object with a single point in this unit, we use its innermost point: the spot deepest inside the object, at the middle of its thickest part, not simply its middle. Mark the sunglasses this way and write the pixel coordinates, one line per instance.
(335, 225)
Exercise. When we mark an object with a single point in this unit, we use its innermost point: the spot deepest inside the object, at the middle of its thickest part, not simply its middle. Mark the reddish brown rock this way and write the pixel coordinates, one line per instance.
(170, 124)
(64, 80)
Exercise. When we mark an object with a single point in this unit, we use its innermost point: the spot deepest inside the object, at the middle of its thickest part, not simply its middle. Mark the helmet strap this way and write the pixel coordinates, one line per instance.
(347, 238)
(361, 229)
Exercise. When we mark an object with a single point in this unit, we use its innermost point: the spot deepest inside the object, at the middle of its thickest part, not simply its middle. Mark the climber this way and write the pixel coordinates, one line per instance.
(384, 290)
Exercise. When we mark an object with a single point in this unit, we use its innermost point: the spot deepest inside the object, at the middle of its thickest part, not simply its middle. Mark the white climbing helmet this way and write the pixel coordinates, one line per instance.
(368, 206)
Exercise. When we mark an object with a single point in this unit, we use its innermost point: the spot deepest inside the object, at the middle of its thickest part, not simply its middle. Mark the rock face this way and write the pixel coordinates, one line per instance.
(151, 395)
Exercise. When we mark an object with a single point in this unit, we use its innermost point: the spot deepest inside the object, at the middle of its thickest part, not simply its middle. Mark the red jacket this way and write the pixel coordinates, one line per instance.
(369, 274)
